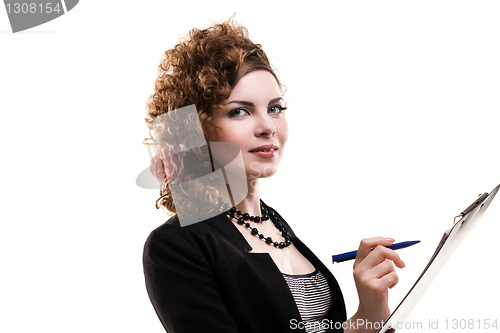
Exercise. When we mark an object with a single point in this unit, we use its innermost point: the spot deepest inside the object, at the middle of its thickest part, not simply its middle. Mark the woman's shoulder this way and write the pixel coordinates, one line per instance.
(172, 229)
(172, 236)
(201, 236)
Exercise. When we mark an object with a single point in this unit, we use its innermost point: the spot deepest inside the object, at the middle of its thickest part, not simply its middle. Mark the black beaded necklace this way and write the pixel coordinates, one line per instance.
(267, 214)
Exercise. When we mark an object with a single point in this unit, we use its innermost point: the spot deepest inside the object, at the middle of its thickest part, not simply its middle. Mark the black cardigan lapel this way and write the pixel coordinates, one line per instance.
(271, 273)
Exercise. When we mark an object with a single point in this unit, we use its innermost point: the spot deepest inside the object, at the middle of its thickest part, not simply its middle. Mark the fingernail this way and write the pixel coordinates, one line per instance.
(391, 240)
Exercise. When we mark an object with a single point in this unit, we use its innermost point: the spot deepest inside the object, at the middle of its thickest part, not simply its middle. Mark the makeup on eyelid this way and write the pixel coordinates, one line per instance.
(281, 109)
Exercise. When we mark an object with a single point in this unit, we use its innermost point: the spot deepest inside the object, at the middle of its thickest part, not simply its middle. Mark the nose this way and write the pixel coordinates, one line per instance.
(265, 126)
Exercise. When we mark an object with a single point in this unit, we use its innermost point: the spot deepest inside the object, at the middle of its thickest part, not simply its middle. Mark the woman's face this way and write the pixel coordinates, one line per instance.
(255, 121)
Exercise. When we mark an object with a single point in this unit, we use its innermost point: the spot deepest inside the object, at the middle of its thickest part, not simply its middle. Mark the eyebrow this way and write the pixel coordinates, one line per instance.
(253, 105)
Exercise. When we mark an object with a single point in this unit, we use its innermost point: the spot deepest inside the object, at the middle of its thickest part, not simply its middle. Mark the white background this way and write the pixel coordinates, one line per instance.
(393, 115)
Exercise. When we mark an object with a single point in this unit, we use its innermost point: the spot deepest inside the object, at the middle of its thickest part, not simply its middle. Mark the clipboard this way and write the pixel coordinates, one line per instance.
(448, 244)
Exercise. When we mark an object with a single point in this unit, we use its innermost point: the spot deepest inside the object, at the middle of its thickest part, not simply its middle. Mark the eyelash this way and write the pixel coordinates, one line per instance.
(234, 112)
(280, 108)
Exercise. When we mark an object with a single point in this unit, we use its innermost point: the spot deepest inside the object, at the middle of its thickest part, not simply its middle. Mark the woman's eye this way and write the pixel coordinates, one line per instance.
(277, 109)
(238, 113)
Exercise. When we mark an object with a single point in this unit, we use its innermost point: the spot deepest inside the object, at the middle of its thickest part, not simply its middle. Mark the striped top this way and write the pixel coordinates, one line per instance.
(313, 298)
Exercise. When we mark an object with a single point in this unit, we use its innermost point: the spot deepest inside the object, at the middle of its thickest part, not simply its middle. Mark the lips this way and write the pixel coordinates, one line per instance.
(265, 148)
(265, 151)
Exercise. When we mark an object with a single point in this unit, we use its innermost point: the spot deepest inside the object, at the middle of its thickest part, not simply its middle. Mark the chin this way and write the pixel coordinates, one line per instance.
(262, 170)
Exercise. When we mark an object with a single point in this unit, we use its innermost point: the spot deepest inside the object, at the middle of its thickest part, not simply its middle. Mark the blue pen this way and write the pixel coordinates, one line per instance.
(352, 255)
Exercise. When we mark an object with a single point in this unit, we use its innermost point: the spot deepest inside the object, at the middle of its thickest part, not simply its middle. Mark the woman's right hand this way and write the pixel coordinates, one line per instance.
(374, 274)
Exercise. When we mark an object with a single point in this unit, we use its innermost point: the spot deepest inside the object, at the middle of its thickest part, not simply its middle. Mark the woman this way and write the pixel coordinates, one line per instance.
(243, 269)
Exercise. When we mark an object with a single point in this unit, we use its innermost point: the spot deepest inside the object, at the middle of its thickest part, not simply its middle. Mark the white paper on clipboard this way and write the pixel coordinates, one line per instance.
(448, 244)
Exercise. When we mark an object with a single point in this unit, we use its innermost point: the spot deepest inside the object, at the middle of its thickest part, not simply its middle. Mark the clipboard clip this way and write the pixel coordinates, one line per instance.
(476, 203)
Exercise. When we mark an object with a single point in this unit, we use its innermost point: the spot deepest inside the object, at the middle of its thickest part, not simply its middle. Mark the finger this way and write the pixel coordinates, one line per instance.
(377, 279)
(382, 269)
(389, 280)
(381, 254)
(374, 273)
(366, 245)
(383, 276)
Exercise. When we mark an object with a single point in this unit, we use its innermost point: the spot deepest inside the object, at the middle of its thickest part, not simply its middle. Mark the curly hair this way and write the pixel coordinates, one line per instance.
(202, 69)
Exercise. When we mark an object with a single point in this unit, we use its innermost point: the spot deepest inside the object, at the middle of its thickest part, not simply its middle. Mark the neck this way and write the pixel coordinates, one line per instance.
(251, 203)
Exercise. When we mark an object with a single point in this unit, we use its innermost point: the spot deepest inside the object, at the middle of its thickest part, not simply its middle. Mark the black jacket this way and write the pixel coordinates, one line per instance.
(202, 278)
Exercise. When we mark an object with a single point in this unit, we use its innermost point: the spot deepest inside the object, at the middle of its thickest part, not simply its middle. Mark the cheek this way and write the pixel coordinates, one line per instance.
(229, 134)
(282, 130)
